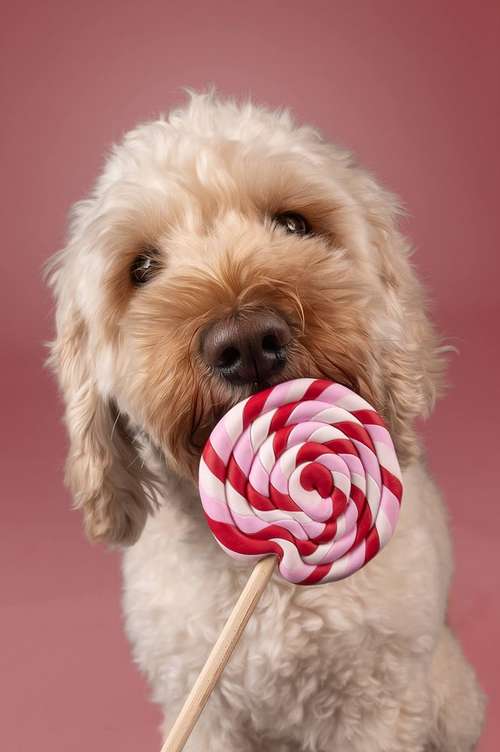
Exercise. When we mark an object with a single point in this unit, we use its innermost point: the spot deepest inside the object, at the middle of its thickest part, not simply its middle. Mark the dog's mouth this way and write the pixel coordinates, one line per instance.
(188, 437)
(204, 422)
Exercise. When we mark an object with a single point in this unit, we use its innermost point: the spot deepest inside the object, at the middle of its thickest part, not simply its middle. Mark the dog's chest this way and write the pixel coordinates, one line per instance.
(178, 594)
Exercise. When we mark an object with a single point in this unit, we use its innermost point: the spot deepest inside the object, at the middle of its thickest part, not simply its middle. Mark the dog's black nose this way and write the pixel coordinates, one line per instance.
(248, 348)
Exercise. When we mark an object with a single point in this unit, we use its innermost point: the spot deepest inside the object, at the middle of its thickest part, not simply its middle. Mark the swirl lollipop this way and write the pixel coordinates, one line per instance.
(303, 473)
(307, 471)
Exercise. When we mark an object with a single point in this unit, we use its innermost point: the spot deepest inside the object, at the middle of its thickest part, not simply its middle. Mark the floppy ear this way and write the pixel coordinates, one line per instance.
(411, 355)
(103, 469)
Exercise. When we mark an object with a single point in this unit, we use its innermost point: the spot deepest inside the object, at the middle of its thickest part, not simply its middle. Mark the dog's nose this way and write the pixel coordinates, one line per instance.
(248, 348)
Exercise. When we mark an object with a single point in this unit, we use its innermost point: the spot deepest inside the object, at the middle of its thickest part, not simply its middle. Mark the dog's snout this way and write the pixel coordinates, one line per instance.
(247, 349)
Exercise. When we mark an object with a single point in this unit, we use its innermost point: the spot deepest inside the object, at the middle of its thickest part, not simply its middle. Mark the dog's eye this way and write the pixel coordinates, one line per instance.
(144, 267)
(293, 223)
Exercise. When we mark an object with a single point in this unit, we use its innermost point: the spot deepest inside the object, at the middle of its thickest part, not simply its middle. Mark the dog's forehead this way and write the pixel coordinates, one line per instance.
(209, 162)
(213, 156)
(158, 179)
(211, 136)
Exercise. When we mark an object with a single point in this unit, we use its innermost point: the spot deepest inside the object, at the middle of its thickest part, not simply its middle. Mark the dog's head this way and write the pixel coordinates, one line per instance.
(223, 250)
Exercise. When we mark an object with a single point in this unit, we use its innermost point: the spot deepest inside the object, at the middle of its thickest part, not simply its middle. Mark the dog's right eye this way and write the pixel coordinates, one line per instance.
(144, 267)
(293, 223)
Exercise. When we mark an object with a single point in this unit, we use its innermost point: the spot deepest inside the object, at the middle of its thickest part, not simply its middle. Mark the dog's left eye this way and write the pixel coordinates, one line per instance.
(293, 222)
(144, 267)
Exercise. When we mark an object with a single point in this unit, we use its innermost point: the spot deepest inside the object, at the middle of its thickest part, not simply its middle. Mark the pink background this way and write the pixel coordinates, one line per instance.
(412, 87)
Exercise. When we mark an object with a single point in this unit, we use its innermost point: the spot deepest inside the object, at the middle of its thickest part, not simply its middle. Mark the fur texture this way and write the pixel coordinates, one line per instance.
(367, 664)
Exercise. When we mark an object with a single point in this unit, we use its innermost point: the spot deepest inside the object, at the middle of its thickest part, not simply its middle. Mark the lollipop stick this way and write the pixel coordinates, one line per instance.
(220, 655)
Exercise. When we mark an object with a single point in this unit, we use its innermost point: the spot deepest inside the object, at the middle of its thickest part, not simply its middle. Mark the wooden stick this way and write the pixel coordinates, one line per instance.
(220, 655)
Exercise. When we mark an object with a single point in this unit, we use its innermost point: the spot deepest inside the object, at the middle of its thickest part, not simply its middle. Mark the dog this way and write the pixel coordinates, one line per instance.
(225, 249)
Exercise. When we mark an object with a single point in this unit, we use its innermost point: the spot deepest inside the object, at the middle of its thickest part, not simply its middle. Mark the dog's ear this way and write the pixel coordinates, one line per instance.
(411, 355)
(103, 469)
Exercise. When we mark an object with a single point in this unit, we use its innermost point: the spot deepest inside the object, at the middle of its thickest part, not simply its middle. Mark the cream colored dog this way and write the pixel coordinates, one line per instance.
(222, 250)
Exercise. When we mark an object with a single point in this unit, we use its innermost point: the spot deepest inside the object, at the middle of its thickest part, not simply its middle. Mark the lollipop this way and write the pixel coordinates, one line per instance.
(306, 471)
(304, 474)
